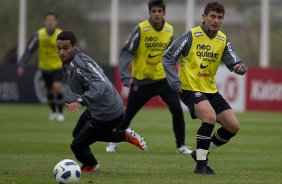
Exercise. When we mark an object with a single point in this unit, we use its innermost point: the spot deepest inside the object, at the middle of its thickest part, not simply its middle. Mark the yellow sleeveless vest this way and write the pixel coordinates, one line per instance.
(197, 70)
(48, 58)
(148, 62)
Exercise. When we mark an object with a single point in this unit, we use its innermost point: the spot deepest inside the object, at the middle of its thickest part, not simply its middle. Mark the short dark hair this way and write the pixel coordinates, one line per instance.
(50, 13)
(67, 35)
(159, 3)
(214, 6)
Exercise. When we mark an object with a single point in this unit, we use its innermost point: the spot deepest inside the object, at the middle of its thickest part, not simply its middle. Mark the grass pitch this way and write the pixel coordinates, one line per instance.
(30, 147)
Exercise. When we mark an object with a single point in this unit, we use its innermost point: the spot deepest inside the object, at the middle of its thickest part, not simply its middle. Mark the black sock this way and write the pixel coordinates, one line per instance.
(60, 102)
(51, 102)
(221, 136)
(203, 136)
(203, 142)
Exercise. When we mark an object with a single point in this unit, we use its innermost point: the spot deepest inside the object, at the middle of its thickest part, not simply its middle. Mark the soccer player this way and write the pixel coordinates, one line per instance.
(200, 51)
(104, 107)
(144, 48)
(48, 62)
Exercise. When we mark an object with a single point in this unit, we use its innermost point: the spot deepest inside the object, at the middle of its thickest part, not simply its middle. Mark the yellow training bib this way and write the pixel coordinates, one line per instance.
(48, 58)
(197, 70)
(148, 62)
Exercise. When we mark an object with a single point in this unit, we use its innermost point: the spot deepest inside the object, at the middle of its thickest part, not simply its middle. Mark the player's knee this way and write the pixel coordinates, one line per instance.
(209, 117)
(74, 147)
(206, 116)
(57, 87)
(236, 128)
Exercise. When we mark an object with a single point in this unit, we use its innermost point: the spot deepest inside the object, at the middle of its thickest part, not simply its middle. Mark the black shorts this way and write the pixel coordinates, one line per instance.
(49, 77)
(189, 98)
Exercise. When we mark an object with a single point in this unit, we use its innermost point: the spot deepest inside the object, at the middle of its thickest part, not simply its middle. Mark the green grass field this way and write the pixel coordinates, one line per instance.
(30, 147)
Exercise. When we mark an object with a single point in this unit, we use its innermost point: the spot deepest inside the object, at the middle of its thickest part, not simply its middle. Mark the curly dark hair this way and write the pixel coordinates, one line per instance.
(159, 3)
(67, 35)
(214, 6)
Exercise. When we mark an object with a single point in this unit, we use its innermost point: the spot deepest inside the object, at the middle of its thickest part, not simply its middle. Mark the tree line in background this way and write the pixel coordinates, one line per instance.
(93, 35)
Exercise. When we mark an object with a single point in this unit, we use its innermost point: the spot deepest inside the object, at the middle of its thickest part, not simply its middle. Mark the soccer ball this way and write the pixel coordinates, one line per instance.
(67, 172)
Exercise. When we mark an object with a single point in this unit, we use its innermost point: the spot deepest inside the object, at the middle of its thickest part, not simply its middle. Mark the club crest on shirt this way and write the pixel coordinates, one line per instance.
(220, 38)
(168, 29)
(197, 34)
(147, 28)
(198, 94)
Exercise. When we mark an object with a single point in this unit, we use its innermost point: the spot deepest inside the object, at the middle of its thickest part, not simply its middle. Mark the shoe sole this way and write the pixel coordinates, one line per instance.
(204, 173)
(111, 151)
(207, 171)
(184, 152)
(96, 169)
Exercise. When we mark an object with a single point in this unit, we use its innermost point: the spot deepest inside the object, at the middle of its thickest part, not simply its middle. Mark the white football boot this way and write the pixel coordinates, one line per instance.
(184, 150)
(60, 117)
(112, 147)
(52, 117)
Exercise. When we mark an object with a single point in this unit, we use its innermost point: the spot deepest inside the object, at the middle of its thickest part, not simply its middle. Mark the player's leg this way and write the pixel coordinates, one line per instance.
(137, 97)
(96, 130)
(171, 98)
(107, 134)
(200, 107)
(227, 119)
(81, 143)
(57, 87)
(46, 76)
(84, 118)
(205, 112)
(86, 133)
(230, 127)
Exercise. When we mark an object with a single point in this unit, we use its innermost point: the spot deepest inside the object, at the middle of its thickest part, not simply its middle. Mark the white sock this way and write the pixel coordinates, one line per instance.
(212, 146)
(201, 154)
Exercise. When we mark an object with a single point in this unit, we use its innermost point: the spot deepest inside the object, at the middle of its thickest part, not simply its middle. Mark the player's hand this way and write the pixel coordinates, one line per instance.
(20, 71)
(73, 107)
(239, 69)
